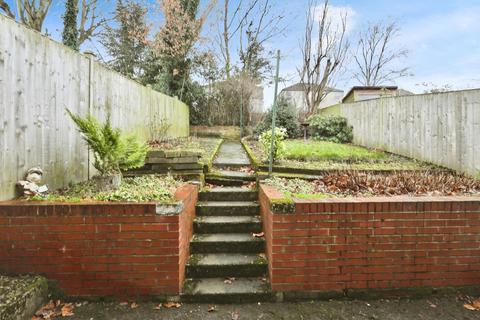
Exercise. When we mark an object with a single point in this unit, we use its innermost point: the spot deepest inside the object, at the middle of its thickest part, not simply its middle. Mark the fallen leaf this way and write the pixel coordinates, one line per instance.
(258, 235)
(229, 280)
(476, 303)
(134, 305)
(158, 307)
(432, 305)
(235, 315)
(469, 307)
(67, 310)
(124, 303)
(212, 308)
(172, 304)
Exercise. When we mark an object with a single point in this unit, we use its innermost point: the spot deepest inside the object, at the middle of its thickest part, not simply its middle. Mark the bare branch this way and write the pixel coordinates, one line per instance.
(32, 12)
(323, 54)
(374, 55)
(5, 7)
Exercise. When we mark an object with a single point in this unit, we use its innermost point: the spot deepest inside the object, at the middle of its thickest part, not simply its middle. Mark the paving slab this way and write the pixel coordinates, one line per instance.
(232, 154)
(448, 307)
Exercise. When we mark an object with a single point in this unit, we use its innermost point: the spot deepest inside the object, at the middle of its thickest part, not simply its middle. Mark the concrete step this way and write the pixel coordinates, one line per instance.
(215, 290)
(226, 265)
(233, 175)
(227, 208)
(224, 182)
(227, 224)
(229, 194)
(226, 243)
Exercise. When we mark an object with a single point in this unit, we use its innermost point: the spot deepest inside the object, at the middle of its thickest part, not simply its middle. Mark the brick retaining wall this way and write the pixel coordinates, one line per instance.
(371, 243)
(100, 249)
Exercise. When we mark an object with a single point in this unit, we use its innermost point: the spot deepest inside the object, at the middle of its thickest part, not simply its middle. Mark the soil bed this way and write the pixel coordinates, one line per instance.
(137, 189)
(364, 184)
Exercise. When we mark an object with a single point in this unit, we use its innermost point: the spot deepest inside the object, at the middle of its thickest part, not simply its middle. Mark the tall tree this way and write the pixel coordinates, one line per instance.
(254, 21)
(6, 8)
(70, 31)
(375, 55)
(324, 49)
(75, 34)
(127, 43)
(33, 12)
(175, 41)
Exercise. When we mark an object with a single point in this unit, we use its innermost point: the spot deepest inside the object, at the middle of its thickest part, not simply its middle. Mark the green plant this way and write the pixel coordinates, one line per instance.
(286, 118)
(330, 128)
(112, 151)
(265, 140)
(159, 129)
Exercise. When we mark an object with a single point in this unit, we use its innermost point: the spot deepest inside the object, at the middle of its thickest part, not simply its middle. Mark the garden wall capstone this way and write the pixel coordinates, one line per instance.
(100, 249)
(348, 245)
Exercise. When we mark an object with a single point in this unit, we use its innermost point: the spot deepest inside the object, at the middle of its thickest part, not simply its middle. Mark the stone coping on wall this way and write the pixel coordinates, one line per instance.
(45, 208)
(279, 204)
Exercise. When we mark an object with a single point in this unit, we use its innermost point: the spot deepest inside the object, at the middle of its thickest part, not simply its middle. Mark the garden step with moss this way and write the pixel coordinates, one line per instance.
(226, 243)
(227, 224)
(226, 265)
(229, 194)
(224, 182)
(233, 175)
(227, 208)
(217, 290)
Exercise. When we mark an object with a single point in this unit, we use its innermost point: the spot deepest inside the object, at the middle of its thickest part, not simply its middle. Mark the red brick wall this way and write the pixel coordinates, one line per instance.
(376, 243)
(98, 249)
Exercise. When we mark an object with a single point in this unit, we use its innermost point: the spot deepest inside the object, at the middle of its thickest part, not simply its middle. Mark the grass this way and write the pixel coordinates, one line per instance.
(137, 189)
(329, 151)
(322, 155)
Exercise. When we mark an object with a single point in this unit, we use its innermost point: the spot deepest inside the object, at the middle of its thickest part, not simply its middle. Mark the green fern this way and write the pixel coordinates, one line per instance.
(112, 151)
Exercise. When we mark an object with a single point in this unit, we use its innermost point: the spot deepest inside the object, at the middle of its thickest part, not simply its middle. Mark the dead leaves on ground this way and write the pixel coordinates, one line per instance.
(258, 235)
(172, 304)
(212, 308)
(55, 309)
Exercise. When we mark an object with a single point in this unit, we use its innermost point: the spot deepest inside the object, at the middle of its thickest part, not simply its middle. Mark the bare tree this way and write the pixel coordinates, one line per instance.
(33, 12)
(324, 49)
(6, 8)
(90, 21)
(253, 20)
(374, 55)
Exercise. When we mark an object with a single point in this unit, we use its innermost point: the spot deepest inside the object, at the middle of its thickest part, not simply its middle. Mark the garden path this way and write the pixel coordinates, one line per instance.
(231, 154)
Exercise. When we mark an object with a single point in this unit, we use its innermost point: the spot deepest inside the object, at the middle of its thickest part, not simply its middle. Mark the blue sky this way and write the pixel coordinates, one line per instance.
(442, 37)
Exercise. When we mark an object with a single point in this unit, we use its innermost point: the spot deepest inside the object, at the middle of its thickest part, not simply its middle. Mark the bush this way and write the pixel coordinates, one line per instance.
(278, 144)
(112, 151)
(330, 128)
(286, 118)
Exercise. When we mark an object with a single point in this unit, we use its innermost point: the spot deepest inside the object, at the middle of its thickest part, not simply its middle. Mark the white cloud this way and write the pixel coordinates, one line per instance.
(336, 14)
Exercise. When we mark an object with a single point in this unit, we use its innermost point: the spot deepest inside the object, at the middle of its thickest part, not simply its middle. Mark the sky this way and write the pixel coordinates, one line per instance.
(441, 36)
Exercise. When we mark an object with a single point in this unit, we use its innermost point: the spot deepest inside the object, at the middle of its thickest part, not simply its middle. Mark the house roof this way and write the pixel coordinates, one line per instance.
(299, 87)
(365, 88)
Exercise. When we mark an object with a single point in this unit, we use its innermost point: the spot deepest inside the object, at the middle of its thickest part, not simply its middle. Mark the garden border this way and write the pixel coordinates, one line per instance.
(101, 249)
(364, 247)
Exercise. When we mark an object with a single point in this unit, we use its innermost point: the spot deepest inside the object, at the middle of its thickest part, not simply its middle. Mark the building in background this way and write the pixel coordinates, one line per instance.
(361, 93)
(295, 94)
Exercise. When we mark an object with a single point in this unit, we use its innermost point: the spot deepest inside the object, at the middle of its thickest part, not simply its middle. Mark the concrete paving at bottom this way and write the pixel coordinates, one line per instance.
(431, 308)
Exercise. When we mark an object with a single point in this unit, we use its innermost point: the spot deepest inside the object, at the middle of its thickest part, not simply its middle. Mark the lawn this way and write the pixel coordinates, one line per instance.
(328, 151)
(322, 155)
